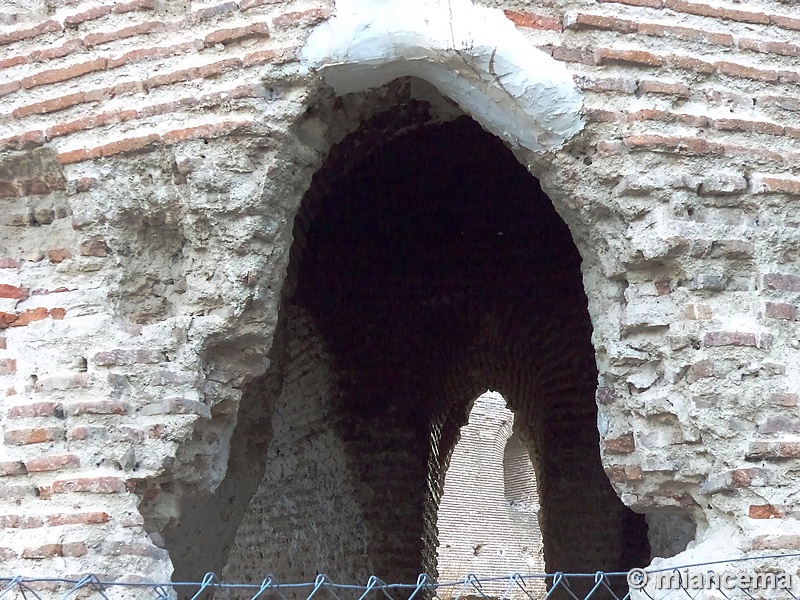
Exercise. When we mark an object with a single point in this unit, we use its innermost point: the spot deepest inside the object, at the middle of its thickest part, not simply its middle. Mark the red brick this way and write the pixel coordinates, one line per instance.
(622, 445)
(97, 407)
(126, 145)
(785, 22)
(599, 115)
(660, 143)
(769, 47)
(686, 33)
(24, 34)
(632, 57)
(6, 319)
(48, 106)
(624, 473)
(95, 39)
(141, 54)
(20, 521)
(573, 55)
(9, 88)
(205, 131)
(782, 282)
(779, 310)
(262, 57)
(314, 16)
(780, 399)
(651, 86)
(52, 52)
(36, 409)
(57, 314)
(95, 485)
(41, 552)
(13, 292)
(774, 184)
(764, 511)
(54, 462)
(65, 73)
(227, 36)
(737, 338)
(746, 72)
(742, 477)
(589, 21)
(29, 139)
(89, 15)
(690, 63)
(39, 435)
(79, 518)
(705, 10)
(12, 61)
(2, 343)
(214, 11)
(773, 451)
(90, 122)
(74, 156)
(12, 467)
(8, 366)
(650, 114)
(29, 316)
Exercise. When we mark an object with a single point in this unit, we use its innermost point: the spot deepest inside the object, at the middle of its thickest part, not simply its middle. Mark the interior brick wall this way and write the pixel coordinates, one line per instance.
(487, 520)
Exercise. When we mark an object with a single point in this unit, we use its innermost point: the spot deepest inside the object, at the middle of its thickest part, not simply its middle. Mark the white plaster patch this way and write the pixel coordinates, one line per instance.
(472, 54)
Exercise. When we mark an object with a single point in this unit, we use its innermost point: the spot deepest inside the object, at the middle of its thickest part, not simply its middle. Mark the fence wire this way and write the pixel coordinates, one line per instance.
(731, 579)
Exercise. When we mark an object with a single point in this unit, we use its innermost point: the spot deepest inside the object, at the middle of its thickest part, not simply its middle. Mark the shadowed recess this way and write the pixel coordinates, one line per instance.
(426, 269)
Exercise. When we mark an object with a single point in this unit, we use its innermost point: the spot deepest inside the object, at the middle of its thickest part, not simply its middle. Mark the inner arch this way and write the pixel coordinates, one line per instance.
(424, 271)
(488, 514)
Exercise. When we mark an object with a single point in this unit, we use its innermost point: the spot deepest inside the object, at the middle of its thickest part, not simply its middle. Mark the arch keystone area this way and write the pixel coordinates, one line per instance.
(471, 54)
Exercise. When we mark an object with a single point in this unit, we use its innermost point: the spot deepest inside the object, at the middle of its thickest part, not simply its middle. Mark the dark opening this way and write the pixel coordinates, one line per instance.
(431, 266)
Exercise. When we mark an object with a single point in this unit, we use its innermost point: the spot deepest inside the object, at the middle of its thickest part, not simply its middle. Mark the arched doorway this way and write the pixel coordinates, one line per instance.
(427, 265)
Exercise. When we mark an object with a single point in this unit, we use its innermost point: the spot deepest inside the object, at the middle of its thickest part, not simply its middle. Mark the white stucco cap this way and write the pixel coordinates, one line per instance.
(472, 54)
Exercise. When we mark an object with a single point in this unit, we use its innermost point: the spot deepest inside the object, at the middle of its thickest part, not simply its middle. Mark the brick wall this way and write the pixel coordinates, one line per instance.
(488, 514)
(153, 156)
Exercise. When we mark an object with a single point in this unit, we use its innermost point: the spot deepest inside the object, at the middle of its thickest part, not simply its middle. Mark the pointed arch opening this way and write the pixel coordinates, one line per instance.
(427, 265)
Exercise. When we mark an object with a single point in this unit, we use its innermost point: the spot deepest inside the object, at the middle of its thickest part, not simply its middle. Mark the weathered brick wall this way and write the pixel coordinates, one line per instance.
(153, 155)
(487, 519)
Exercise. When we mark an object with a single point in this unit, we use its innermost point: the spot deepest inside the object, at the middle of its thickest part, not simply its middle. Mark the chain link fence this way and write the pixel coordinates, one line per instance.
(745, 579)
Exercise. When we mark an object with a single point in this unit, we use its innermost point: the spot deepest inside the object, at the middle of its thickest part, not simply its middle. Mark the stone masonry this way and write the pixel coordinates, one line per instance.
(253, 274)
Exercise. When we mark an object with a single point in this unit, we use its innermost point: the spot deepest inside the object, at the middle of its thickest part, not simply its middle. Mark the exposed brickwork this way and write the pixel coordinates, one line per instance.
(152, 163)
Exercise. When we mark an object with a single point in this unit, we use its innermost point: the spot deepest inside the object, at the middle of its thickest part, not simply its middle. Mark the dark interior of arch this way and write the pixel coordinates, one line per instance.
(434, 266)
(427, 266)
